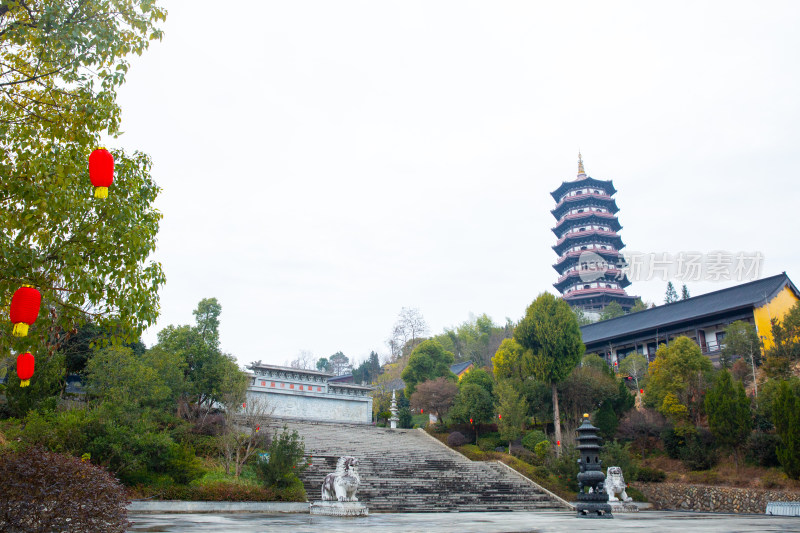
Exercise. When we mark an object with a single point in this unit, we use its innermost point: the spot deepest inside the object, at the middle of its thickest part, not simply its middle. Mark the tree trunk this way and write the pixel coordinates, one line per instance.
(556, 420)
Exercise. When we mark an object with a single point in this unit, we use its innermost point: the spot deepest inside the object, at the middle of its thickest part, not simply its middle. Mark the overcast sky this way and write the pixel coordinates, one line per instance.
(324, 164)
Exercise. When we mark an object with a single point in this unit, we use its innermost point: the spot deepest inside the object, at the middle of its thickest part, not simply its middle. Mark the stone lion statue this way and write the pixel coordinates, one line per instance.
(342, 484)
(615, 484)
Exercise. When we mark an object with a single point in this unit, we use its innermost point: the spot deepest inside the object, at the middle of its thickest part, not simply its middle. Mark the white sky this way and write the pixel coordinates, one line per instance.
(324, 164)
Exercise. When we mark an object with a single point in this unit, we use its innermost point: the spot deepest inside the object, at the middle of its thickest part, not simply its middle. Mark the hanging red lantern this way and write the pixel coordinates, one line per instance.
(25, 363)
(499, 417)
(24, 309)
(101, 171)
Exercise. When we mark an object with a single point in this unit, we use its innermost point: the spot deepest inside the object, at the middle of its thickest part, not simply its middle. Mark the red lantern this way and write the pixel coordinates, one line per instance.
(641, 391)
(25, 364)
(24, 309)
(422, 411)
(101, 171)
(499, 417)
(558, 443)
(470, 421)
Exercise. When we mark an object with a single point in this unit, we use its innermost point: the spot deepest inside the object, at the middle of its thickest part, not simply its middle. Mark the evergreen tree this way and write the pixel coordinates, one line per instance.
(685, 292)
(551, 337)
(513, 409)
(612, 310)
(671, 295)
(786, 417)
(728, 410)
(606, 420)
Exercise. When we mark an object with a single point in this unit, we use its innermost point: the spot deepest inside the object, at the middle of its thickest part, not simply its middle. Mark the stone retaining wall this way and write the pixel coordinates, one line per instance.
(682, 497)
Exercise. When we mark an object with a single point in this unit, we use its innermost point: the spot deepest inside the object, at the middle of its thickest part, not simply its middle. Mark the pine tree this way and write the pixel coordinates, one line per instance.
(728, 411)
(685, 292)
(672, 294)
(786, 416)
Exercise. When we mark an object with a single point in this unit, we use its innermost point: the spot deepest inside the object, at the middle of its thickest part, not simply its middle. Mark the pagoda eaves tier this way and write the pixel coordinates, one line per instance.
(590, 263)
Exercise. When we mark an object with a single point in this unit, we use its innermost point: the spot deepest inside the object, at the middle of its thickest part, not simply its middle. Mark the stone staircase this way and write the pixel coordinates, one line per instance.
(406, 470)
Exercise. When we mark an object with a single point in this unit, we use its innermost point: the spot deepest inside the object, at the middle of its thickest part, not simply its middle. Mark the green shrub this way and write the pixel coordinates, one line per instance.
(651, 475)
(285, 462)
(761, 449)
(616, 454)
(532, 438)
(699, 452)
(566, 468)
(636, 494)
(490, 441)
(543, 449)
(45, 491)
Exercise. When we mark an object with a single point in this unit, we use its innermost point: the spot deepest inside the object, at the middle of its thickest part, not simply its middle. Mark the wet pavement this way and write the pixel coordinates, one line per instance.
(656, 521)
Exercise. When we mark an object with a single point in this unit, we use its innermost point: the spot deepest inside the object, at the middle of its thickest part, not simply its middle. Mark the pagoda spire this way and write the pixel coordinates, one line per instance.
(581, 172)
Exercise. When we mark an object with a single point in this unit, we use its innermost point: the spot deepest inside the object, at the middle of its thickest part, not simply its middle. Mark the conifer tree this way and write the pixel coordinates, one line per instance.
(786, 417)
(728, 410)
(671, 295)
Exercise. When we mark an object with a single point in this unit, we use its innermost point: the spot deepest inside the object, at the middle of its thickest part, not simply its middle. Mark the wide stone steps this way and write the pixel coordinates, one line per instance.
(408, 471)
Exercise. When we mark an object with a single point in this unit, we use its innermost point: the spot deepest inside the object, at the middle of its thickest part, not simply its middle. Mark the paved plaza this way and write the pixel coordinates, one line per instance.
(540, 522)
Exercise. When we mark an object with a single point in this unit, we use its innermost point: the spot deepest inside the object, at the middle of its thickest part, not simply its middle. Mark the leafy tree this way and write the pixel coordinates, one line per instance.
(339, 363)
(513, 409)
(685, 292)
(209, 373)
(473, 405)
(741, 340)
(728, 410)
(116, 374)
(635, 366)
(786, 417)
(582, 318)
(479, 377)
(509, 362)
(786, 344)
(671, 295)
(429, 360)
(323, 365)
(550, 332)
(612, 310)
(475, 340)
(679, 370)
(435, 396)
(638, 305)
(584, 390)
(593, 360)
(62, 65)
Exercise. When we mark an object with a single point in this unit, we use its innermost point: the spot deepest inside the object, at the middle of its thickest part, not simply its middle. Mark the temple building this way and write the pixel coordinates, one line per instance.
(589, 263)
(297, 393)
(701, 318)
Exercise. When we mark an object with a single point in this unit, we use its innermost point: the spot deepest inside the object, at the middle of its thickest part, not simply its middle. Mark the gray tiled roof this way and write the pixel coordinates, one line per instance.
(459, 367)
(742, 296)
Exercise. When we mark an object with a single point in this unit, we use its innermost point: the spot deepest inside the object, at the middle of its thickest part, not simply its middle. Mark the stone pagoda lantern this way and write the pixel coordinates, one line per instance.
(394, 419)
(592, 498)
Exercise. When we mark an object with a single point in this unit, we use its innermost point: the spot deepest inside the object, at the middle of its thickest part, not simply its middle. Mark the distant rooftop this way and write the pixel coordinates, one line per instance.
(459, 367)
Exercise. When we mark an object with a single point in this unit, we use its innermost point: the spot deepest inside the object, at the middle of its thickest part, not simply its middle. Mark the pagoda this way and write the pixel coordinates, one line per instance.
(590, 263)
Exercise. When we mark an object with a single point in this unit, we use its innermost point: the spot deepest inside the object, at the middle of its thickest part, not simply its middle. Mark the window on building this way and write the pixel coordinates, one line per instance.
(587, 287)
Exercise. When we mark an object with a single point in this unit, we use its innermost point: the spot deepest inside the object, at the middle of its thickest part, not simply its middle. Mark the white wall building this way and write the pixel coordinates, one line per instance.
(307, 395)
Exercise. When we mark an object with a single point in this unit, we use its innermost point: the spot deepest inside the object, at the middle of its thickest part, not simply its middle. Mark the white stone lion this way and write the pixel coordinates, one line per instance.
(342, 484)
(615, 484)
